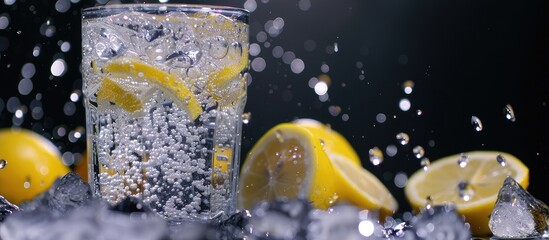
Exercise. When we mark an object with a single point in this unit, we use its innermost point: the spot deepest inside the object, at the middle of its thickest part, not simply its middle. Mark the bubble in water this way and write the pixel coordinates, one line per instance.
(509, 113)
(376, 156)
(408, 86)
(465, 191)
(403, 138)
(501, 160)
(246, 117)
(218, 47)
(3, 163)
(418, 151)
(477, 124)
(425, 163)
(463, 160)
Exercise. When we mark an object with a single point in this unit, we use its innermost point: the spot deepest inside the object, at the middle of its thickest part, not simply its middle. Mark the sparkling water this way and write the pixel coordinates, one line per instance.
(183, 166)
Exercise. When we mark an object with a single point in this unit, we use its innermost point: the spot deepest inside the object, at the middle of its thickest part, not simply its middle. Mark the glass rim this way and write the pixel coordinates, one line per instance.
(166, 7)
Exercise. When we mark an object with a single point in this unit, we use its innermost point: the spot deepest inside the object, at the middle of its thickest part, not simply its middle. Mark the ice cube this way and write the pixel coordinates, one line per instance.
(66, 193)
(6, 208)
(344, 221)
(517, 214)
(91, 221)
(441, 222)
(280, 219)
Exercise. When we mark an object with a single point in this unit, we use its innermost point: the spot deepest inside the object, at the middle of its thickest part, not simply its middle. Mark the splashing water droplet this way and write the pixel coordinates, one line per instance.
(465, 191)
(279, 137)
(429, 203)
(403, 138)
(418, 151)
(463, 160)
(509, 113)
(27, 183)
(425, 163)
(477, 124)
(3, 163)
(501, 160)
(408, 86)
(246, 117)
(376, 156)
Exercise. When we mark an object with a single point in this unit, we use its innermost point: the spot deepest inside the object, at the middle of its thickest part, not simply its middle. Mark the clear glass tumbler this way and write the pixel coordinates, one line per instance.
(165, 87)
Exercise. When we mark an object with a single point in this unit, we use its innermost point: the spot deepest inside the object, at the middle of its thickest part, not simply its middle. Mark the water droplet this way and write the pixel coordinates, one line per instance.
(418, 151)
(463, 160)
(408, 86)
(501, 160)
(279, 137)
(404, 104)
(376, 156)
(246, 117)
(425, 163)
(509, 113)
(403, 138)
(218, 47)
(27, 183)
(475, 121)
(465, 191)
(3, 163)
(429, 203)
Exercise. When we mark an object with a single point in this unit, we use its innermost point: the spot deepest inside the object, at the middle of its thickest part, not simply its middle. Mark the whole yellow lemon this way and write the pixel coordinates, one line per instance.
(29, 164)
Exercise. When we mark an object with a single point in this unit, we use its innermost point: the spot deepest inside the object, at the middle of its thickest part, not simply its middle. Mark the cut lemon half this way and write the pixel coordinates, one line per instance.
(358, 186)
(287, 162)
(469, 180)
(140, 71)
(332, 141)
(113, 92)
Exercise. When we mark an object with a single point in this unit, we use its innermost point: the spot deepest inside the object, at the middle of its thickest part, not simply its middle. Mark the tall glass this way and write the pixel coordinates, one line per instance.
(165, 88)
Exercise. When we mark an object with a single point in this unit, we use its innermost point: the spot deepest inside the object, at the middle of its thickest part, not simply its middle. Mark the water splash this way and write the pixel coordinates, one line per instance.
(509, 113)
(408, 86)
(465, 191)
(246, 117)
(3, 163)
(501, 160)
(463, 160)
(418, 151)
(477, 124)
(376, 156)
(403, 138)
(425, 163)
(429, 203)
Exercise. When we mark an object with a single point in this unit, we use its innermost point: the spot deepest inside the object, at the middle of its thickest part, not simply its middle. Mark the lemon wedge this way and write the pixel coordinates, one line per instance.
(470, 180)
(113, 92)
(140, 71)
(287, 162)
(358, 186)
(226, 81)
(332, 141)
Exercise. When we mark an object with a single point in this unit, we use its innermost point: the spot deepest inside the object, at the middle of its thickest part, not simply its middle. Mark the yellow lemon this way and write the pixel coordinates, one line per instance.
(470, 180)
(140, 71)
(332, 141)
(227, 80)
(29, 164)
(358, 186)
(288, 161)
(113, 92)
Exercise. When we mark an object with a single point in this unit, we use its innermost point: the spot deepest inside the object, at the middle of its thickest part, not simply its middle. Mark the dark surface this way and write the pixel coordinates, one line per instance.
(466, 58)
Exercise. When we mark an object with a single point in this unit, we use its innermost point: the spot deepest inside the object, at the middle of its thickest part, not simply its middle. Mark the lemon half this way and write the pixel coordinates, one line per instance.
(472, 187)
(287, 162)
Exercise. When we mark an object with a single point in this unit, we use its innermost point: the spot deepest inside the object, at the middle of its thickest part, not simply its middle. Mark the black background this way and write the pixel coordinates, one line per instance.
(465, 57)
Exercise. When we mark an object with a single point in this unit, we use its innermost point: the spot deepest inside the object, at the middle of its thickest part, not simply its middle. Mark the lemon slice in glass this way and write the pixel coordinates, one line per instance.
(143, 72)
(469, 180)
(287, 162)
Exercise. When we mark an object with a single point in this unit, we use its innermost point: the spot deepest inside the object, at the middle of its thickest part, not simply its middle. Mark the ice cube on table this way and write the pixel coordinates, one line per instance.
(280, 219)
(441, 222)
(344, 221)
(6, 208)
(66, 193)
(517, 214)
